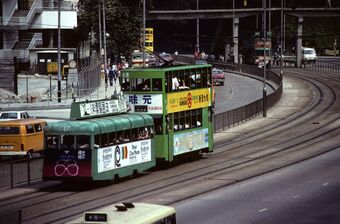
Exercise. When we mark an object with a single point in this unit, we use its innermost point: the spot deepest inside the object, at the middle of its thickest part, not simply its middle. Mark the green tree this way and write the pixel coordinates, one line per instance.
(123, 24)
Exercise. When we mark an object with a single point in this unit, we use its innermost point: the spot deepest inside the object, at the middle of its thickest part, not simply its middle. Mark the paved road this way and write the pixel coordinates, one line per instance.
(308, 192)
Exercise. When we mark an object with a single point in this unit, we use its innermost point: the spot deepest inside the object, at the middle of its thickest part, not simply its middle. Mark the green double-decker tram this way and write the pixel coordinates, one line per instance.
(179, 98)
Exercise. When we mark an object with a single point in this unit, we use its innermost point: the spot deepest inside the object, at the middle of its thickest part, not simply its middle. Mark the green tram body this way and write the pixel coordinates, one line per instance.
(182, 114)
(94, 149)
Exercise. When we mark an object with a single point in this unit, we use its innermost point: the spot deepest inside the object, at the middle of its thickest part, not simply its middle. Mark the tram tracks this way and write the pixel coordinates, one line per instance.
(232, 162)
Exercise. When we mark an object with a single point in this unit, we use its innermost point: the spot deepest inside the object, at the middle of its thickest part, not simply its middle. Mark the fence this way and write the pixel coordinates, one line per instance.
(323, 66)
(20, 172)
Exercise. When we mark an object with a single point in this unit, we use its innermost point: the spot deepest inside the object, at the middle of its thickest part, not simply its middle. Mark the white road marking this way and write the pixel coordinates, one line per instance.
(263, 210)
(296, 196)
(325, 184)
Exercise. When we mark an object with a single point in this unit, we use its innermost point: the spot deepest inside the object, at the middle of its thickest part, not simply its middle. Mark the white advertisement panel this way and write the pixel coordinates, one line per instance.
(123, 155)
(145, 103)
(191, 141)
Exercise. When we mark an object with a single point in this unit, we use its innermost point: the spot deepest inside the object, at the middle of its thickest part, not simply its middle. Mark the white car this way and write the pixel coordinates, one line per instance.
(308, 54)
(13, 115)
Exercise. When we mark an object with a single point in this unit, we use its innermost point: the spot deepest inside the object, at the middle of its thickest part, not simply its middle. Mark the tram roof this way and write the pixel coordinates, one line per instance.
(166, 69)
(99, 125)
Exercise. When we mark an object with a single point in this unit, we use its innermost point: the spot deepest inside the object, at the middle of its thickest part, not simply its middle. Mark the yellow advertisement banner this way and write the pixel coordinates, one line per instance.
(188, 100)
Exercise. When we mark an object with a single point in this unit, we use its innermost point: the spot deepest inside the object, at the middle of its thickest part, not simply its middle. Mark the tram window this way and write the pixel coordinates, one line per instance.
(194, 119)
(175, 83)
(52, 142)
(125, 84)
(168, 82)
(188, 119)
(67, 142)
(104, 141)
(156, 84)
(83, 141)
(144, 133)
(176, 122)
(126, 135)
(134, 135)
(158, 125)
(140, 84)
(112, 138)
(97, 141)
(204, 78)
(182, 120)
(120, 137)
(199, 118)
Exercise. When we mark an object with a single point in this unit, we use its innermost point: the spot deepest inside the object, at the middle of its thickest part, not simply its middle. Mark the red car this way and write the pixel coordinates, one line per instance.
(218, 76)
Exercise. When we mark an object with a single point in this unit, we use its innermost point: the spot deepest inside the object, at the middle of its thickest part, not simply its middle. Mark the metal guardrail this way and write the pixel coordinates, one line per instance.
(20, 172)
(323, 66)
(230, 118)
(14, 217)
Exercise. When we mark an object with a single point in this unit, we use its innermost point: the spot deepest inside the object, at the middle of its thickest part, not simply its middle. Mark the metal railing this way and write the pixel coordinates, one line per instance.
(36, 40)
(19, 172)
(230, 118)
(323, 66)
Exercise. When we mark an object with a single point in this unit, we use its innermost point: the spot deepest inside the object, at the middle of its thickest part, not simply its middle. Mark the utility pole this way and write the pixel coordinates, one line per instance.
(264, 58)
(281, 40)
(143, 33)
(104, 40)
(59, 54)
(197, 29)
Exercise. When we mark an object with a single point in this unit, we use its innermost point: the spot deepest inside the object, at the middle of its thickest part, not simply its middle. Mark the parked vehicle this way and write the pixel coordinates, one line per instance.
(12, 115)
(218, 76)
(21, 136)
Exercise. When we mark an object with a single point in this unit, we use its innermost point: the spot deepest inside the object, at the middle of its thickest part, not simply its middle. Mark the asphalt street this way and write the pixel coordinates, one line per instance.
(305, 193)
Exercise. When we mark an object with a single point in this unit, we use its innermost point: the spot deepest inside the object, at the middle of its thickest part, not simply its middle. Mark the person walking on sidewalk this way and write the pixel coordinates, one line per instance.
(111, 76)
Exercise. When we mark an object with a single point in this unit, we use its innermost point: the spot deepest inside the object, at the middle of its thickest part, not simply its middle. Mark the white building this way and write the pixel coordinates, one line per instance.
(29, 31)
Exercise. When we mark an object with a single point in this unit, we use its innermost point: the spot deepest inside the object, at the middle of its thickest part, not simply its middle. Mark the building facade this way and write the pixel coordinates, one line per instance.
(29, 32)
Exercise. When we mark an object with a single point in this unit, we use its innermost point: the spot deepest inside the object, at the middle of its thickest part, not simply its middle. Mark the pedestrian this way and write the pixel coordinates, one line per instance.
(329, 4)
(111, 76)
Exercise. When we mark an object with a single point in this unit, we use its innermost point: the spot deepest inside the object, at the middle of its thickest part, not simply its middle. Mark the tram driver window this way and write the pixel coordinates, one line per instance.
(67, 142)
(52, 142)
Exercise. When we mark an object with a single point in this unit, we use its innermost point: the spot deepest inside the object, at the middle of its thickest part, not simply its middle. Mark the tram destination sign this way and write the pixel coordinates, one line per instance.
(98, 108)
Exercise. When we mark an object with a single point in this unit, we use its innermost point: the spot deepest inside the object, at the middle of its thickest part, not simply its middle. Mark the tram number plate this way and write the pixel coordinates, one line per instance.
(141, 108)
(95, 217)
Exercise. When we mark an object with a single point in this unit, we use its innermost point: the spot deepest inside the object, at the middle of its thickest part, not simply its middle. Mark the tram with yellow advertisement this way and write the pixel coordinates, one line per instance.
(179, 98)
